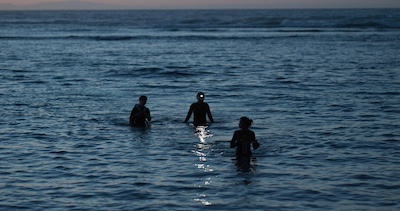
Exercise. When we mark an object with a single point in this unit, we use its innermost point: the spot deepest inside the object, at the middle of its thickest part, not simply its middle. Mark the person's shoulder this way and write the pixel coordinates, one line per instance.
(237, 132)
(205, 104)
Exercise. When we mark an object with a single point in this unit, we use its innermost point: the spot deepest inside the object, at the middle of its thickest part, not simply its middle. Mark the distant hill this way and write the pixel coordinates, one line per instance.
(64, 5)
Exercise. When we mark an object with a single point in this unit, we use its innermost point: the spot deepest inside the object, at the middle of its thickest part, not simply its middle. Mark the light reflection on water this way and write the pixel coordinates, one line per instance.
(203, 148)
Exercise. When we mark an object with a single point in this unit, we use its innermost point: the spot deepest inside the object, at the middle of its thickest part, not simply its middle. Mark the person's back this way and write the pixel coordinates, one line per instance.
(243, 139)
(199, 113)
(140, 114)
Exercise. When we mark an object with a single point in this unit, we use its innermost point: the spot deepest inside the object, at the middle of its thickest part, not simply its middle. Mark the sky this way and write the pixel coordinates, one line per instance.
(232, 4)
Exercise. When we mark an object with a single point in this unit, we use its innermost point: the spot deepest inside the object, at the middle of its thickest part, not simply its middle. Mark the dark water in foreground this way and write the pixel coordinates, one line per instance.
(322, 87)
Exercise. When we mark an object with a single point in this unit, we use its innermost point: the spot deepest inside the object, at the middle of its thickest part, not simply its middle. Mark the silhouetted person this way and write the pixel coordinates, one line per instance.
(243, 139)
(140, 114)
(199, 109)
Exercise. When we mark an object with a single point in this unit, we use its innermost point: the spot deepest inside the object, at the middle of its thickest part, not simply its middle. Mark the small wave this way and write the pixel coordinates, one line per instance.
(177, 67)
(104, 38)
(192, 21)
(265, 21)
(363, 25)
(365, 177)
(21, 71)
(222, 36)
(301, 30)
(177, 73)
(150, 70)
(35, 82)
(154, 71)
(134, 72)
(388, 187)
(391, 140)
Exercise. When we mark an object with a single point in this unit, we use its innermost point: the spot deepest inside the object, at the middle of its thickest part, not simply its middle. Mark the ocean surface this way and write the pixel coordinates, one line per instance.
(322, 87)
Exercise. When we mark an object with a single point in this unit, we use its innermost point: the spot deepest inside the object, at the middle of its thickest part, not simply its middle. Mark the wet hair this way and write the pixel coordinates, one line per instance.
(143, 98)
(246, 121)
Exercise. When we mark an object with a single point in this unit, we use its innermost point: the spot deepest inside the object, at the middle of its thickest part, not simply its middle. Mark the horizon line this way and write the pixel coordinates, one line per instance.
(83, 5)
(133, 9)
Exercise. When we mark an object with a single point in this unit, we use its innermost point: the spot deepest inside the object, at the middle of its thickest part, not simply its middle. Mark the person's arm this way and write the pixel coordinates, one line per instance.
(253, 137)
(209, 114)
(148, 116)
(254, 141)
(234, 140)
(189, 114)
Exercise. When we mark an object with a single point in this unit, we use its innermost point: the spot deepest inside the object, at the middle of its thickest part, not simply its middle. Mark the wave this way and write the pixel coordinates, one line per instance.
(198, 34)
(367, 24)
(140, 37)
(168, 71)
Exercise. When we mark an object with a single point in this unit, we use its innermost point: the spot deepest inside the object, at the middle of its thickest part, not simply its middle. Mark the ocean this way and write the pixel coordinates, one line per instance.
(322, 87)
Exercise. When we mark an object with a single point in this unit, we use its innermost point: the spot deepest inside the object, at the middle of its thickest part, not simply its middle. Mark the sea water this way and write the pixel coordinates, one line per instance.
(322, 87)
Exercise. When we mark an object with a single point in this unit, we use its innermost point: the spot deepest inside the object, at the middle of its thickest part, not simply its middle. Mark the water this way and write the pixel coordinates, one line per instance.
(322, 87)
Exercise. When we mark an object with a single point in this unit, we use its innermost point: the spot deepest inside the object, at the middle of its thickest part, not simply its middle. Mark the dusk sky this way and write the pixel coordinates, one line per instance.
(232, 4)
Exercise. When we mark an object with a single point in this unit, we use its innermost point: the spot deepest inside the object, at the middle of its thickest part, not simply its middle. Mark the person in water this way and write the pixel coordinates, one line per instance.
(243, 139)
(140, 114)
(200, 109)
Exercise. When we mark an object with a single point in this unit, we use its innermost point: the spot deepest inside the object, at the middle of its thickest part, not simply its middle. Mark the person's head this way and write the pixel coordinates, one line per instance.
(245, 122)
(142, 100)
(200, 96)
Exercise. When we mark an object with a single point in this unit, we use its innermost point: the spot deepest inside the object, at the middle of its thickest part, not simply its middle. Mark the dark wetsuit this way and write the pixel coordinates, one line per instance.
(242, 140)
(200, 110)
(139, 116)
